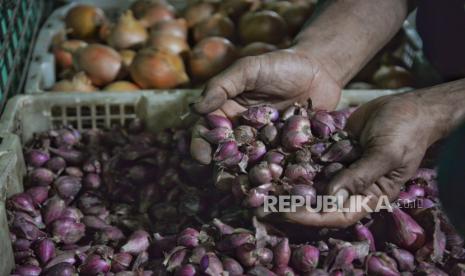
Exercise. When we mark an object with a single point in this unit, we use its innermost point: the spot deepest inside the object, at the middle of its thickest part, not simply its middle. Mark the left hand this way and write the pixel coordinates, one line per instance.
(394, 133)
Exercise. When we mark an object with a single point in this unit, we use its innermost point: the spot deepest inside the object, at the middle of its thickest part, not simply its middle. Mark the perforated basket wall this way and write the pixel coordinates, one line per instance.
(19, 22)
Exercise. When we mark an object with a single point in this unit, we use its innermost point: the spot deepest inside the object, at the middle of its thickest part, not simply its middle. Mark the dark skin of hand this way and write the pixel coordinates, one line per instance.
(394, 133)
(394, 137)
(280, 78)
(316, 68)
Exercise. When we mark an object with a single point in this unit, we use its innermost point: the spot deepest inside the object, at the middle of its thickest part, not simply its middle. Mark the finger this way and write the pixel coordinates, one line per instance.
(227, 85)
(230, 109)
(361, 174)
(200, 149)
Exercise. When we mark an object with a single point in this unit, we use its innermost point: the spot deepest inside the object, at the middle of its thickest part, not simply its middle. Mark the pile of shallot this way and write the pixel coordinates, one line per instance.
(92, 198)
(125, 201)
(265, 153)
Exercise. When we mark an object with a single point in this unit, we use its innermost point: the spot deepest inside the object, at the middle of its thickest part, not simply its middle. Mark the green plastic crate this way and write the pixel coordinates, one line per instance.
(19, 22)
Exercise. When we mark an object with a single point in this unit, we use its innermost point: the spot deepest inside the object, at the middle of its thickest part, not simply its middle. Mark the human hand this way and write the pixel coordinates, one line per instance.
(280, 78)
(394, 133)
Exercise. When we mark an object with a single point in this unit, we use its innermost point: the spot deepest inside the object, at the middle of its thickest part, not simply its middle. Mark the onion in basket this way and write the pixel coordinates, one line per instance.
(153, 68)
(101, 63)
(83, 21)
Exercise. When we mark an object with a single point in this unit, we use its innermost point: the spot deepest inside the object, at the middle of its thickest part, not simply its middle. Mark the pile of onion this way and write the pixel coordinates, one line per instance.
(128, 201)
(101, 63)
(152, 68)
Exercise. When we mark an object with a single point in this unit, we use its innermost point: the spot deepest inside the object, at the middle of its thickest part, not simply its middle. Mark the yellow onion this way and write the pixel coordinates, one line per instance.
(155, 13)
(105, 30)
(153, 68)
(80, 82)
(127, 56)
(139, 6)
(392, 77)
(63, 52)
(176, 27)
(198, 12)
(58, 38)
(257, 48)
(217, 25)
(169, 43)
(296, 15)
(210, 56)
(278, 6)
(121, 86)
(262, 26)
(83, 21)
(235, 8)
(101, 63)
(127, 33)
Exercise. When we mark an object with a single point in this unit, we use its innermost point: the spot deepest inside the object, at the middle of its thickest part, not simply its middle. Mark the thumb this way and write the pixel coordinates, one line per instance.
(361, 174)
(228, 84)
(200, 149)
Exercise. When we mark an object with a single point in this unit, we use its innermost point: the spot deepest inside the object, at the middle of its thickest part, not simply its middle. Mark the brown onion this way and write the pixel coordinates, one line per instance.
(83, 21)
(235, 8)
(210, 56)
(64, 51)
(101, 63)
(80, 82)
(139, 6)
(263, 26)
(169, 43)
(257, 48)
(153, 68)
(277, 6)
(176, 27)
(296, 15)
(392, 77)
(216, 25)
(155, 13)
(127, 57)
(198, 12)
(121, 86)
(127, 33)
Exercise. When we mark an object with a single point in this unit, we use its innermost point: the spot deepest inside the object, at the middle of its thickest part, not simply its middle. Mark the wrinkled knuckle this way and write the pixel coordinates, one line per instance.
(391, 154)
(357, 181)
(245, 62)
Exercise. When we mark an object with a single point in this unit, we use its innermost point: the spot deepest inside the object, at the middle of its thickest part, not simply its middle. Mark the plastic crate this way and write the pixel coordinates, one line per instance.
(28, 114)
(19, 22)
(42, 75)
